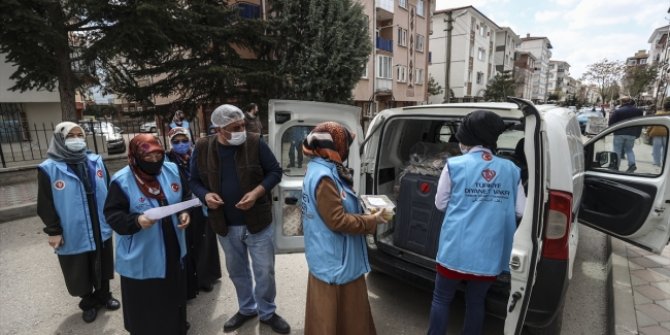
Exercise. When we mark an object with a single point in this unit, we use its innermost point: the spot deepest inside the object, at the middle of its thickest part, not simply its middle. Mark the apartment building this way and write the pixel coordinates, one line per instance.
(558, 80)
(506, 42)
(540, 47)
(470, 58)
(396, 73)
(659, 54)
(524, 67)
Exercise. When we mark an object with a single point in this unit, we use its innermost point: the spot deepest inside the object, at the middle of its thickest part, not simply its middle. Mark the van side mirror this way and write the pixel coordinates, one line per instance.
(607, 159)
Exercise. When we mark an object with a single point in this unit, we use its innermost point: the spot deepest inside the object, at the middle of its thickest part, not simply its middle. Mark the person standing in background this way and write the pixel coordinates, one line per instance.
(252, 121)
(72, 187)
(659, 137)
(203, 253)
(150, 253)
(624, 139)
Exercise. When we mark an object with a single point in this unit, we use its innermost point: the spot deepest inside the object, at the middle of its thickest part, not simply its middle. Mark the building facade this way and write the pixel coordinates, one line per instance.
(506, 42)
(540, 47)
(471, 58)
(659, 55)
(524, 67)
(558, 80)
(397, 70)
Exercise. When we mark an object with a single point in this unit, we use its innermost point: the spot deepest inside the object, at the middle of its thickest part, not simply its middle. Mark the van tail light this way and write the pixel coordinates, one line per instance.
(557, 228)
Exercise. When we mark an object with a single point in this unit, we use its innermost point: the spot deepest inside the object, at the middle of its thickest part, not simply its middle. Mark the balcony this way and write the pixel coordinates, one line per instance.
(384, 9)
(249, 10)
(383, 85)
(384, 44)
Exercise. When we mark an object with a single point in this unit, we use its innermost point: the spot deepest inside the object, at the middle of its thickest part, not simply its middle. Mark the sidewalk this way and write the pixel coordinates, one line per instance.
(640, 280)
(640, 290)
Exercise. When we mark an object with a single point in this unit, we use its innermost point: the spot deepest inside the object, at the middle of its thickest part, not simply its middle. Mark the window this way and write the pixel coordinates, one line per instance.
(482, 30)
(401, 73)
(402, 36)
(365, 72)
(480, 77)
(384, 67)
(643, 61)
(481, 54)
(419, 77)
(402, 3)
(419, 8)
(419, 42)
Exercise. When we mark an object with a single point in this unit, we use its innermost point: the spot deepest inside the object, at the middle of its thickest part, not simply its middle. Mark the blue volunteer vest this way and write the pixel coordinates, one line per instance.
(478, 228)
(69, 197)
(142, 255)
(332, 257)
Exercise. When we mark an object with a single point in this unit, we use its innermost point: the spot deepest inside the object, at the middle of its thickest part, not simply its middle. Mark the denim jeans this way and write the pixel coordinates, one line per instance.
(660, 144)
(624, 144)
(239, 246)
(296, 147)
(475, 295)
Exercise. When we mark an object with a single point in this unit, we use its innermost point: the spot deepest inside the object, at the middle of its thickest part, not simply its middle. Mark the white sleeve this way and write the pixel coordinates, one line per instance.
(443, 193)
(520, 200)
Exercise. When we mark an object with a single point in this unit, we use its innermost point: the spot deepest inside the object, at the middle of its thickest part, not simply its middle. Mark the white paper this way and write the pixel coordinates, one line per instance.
(158, 213)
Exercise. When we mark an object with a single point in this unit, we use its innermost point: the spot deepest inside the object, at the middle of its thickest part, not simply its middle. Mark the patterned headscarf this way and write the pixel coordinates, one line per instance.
(139, 146)
(331, 141)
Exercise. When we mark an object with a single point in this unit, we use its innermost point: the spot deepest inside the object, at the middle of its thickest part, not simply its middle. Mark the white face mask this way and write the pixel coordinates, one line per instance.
(237, 138)
(75, 144)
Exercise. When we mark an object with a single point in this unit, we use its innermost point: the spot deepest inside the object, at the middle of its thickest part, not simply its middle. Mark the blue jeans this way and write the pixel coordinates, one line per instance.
(239, 246)
(624, 144)
(660, 143)
(475, 295)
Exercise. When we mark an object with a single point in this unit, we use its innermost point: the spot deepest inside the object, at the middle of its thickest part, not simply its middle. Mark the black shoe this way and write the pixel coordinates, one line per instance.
(89, 315)
(112, 304)
(278, 324)
(290, 166)
(631, 169)
(237, 321)
(207, 287)
(299, 165)
(187, 326)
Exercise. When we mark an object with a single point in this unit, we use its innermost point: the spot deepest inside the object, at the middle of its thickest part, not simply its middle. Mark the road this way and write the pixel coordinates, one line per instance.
(34, 300)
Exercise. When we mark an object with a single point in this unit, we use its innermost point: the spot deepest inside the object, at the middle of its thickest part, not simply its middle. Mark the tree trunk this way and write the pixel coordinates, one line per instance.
(67, 100)
(66, 79)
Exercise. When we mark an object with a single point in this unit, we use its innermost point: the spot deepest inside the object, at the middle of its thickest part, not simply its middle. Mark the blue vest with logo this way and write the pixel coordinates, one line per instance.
(142, 255)
(332, 257)
(480, 221)
(69, 197)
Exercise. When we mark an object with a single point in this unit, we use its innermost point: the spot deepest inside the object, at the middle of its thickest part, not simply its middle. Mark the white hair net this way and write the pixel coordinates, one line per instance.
(225, 115)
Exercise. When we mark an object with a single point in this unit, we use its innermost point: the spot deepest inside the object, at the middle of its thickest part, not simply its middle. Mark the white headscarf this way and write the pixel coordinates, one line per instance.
(57, 149)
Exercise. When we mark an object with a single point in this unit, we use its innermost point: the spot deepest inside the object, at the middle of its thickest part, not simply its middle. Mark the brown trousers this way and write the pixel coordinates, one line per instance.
(338, 309)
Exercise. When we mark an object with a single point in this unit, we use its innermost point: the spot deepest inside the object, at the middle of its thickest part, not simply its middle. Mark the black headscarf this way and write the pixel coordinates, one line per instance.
(480, 127)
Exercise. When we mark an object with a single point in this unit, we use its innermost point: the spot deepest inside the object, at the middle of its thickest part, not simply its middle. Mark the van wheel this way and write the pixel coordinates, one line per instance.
(554, 328)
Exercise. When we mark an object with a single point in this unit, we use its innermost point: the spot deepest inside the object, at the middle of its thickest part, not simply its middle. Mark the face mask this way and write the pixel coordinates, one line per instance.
(181, 148)
(237, 138)
(151, 168)
(464, 150)
(75, 144)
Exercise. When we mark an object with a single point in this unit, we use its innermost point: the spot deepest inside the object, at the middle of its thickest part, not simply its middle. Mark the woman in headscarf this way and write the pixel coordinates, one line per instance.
(150, 254)
(334, 229)
(482, 195)
(204, 267)
(72, 186)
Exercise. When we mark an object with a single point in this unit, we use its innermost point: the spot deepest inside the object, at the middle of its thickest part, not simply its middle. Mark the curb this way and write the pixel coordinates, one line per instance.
(18, 212)
(623, 319)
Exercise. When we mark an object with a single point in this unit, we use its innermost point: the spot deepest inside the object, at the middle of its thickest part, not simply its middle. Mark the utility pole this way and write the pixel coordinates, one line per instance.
(447, 72)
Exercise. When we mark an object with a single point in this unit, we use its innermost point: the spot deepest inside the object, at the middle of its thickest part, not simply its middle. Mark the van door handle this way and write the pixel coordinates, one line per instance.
(515, 297)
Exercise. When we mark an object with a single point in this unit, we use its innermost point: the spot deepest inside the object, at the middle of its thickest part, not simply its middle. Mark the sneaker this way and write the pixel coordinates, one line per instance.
(278, 324)
(631, 169)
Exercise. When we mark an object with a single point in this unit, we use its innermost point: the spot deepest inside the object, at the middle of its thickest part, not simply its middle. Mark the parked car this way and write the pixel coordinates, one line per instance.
(148, 127)
(112, 134)
(584, 115)
(568, 182)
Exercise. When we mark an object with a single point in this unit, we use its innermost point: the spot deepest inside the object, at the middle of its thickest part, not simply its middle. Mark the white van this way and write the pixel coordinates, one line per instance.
(567, 181)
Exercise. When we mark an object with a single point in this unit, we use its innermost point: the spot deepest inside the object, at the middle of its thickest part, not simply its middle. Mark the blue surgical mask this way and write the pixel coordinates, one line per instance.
(75, 144)
(181, 148)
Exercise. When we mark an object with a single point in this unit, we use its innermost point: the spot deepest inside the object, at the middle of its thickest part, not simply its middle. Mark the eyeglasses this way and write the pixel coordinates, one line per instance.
(184, 141)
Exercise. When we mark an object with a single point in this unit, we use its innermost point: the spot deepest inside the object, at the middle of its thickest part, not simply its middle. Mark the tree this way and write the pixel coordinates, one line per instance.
(637, 79)
(64, 44)
(321, 48)
(500, 87)
(604, 75)
(434, 88)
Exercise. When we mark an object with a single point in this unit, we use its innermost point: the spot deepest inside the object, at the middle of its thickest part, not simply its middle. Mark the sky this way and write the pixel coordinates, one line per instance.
(582, 32)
